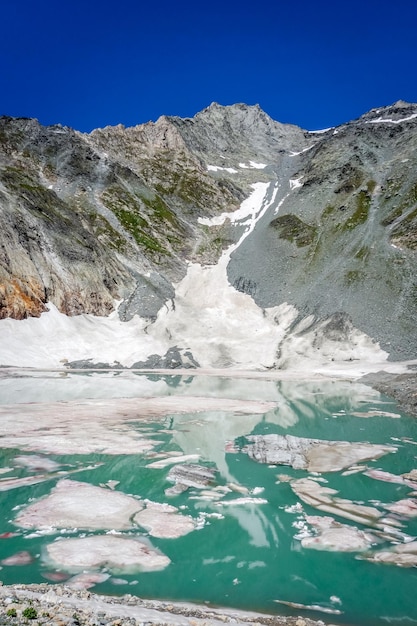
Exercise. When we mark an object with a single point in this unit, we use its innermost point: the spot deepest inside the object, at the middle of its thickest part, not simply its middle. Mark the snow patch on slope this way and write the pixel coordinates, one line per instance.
(218, 168)
(252, 165)
(382, 120)
(220, 326)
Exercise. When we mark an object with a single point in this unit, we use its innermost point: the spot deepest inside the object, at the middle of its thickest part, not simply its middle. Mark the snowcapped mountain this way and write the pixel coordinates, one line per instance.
(223, 240)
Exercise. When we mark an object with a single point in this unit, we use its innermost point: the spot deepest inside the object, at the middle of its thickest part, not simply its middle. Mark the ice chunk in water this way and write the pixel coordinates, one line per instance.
(163, 520)
(315, 455)
(73, 504)
(336, 537)
(20, 558)
(116, 553)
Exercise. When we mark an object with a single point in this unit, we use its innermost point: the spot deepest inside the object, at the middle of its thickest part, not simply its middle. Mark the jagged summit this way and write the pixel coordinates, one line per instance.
(238, 131)
(396, 112)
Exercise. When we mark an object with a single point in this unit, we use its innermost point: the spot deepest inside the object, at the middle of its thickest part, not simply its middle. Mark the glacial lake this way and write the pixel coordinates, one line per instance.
(254, 538)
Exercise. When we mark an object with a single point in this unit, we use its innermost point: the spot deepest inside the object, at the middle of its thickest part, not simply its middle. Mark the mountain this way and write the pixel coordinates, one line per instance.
(226, 239)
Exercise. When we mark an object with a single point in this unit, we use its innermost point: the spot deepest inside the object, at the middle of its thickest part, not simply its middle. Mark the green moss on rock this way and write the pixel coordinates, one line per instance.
(361, 213)
(44, 203)
(105, 232)
(352, 277)
(405, 234)
(293, 229)
(392, 216)
(363, 253)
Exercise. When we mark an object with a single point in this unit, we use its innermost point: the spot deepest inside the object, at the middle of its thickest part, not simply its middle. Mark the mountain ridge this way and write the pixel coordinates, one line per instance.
(118, 214)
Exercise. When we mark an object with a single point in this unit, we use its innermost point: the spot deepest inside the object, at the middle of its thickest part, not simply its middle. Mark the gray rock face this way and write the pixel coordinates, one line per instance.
(114, 215)
(345, 238)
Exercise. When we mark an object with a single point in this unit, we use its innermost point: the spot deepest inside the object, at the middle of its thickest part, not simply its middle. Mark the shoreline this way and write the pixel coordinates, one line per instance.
(58, 605)
(398, 379)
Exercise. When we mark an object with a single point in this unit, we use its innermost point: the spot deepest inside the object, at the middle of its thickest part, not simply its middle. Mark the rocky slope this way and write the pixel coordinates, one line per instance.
(120, 213)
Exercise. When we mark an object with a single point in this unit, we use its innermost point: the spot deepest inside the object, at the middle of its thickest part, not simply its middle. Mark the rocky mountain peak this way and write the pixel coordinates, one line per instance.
(238, 132)
(395, 113)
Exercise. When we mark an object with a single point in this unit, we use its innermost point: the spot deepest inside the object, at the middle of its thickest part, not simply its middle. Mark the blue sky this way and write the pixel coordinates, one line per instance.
(87, 64)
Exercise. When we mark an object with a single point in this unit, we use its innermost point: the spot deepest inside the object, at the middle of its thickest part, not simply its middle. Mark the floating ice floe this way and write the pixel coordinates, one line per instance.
(240, 501)
(13, 482)
(119, 581)
(80, 505)
(163, 520)
(354, 469)
(208, 495)
(20, 558)
(310, 607)
(165, 462)
(403, 555)
(115, 553)
(324, 499)
(86, 580)
(409, 479)
(55, 577)
(375, 413)
(73, 504)
(336, 537)
(314, 455)
(406, 507)
(189, 475)
(36, 462)
(111, 484)
(238, 488)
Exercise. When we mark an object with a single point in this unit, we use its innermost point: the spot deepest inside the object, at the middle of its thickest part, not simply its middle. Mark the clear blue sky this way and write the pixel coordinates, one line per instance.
(87, 64)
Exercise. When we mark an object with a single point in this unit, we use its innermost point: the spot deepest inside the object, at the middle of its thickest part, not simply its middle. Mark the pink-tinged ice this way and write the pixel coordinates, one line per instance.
(406, 507)
(409, 479)
(326, 500)
(86, 580)
(73, 504)
(6, 484)
(105, 426)
(36, 462)
(403, 555)
(20, 558)
(118, 554)
(386, 477)
(119, 581)
(336, 537)
(55, 577)
(164, 521)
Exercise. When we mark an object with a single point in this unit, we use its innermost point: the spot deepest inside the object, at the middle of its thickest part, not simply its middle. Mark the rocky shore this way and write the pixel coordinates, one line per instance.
(60, 606)
(401, 387)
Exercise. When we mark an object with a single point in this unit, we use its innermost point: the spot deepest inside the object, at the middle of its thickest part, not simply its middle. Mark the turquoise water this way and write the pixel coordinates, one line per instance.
(248, 556)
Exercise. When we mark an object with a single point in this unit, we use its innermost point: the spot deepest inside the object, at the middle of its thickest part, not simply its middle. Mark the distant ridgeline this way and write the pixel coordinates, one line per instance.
(313, 232)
